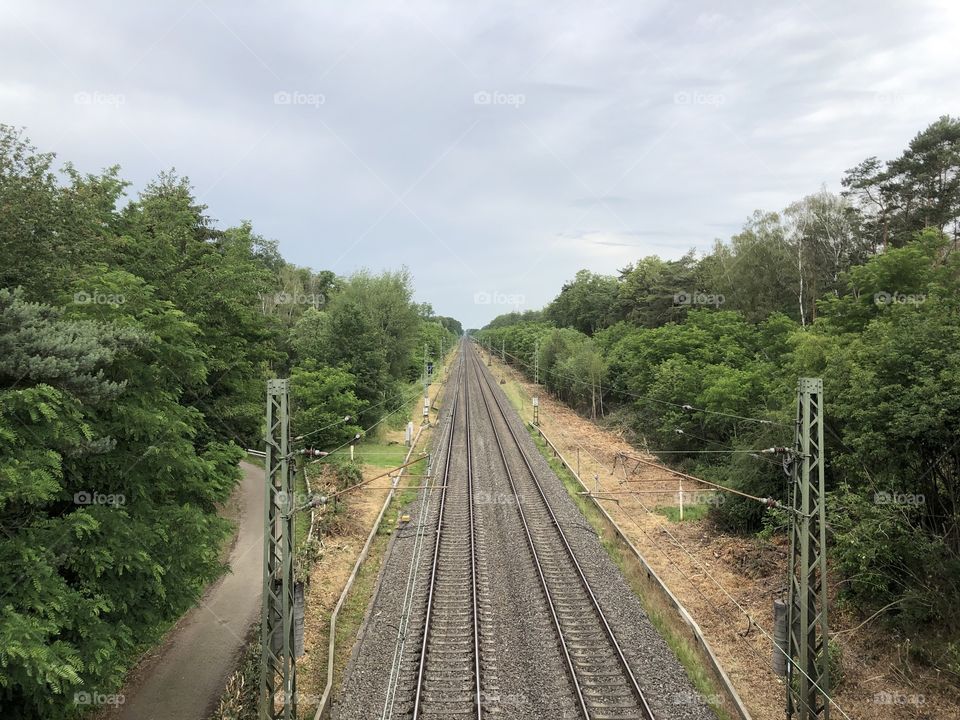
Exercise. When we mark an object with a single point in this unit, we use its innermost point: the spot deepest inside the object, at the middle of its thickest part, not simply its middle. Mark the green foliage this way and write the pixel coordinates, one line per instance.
(322, 397)
(345, 472)
(372, 329)
(113, 505)
(804, 293)
(647, 292)
(216, 278)
(513, 318)
(134, 346)
(895, 200)
(584, 304)
(691, 513)
(369, 327)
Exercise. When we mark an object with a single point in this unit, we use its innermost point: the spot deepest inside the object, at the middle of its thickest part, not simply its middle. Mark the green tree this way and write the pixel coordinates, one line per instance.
(323, 397)
(217, 279)
(919, 189)
(91, 408)
(648, 290)
(758, 273)
(585, 303)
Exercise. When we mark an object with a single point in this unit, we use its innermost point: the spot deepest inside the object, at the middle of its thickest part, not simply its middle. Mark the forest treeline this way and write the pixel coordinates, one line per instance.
(135, 341)
(699, 358)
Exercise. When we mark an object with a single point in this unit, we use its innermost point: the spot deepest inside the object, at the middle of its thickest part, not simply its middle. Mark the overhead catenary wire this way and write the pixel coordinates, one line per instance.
(687, 433)
(704, 452)
(347, 418)
(716, 582)
(339, 421)
(356, 437)
(686, 407)
(323, 499)
(409, 591)
(768, 502)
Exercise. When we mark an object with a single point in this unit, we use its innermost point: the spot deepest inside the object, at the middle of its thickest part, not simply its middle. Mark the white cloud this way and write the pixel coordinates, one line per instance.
(645, 128)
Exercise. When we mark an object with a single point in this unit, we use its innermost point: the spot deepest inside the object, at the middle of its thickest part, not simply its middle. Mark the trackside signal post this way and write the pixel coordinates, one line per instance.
(277, 643)
(808, 677)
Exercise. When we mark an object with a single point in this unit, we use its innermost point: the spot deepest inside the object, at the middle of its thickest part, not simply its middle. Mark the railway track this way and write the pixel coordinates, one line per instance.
(448, 676)
(446, 660)
(605, 685)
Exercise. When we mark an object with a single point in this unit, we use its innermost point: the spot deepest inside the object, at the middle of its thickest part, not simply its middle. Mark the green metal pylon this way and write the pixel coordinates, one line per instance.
(278, 664)
(808, 677)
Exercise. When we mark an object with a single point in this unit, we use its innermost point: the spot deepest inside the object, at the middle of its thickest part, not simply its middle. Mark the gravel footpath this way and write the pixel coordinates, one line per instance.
(523, 671)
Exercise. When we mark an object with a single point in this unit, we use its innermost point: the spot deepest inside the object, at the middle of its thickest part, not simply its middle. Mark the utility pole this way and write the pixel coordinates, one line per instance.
(277, 643)
(536, 363)
(426, 394)
(503, 349)
(808, 677)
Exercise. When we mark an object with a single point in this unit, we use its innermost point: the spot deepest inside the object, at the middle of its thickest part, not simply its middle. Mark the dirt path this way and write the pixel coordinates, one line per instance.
(184, 679)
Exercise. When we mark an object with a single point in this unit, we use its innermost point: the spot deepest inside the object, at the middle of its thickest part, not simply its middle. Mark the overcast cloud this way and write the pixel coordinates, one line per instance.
(494, 147)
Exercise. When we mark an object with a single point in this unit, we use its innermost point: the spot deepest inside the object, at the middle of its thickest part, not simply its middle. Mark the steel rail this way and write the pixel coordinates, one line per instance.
(536, 561)
(418, 693)
(634, 685)
(410, 590)
(473, 551)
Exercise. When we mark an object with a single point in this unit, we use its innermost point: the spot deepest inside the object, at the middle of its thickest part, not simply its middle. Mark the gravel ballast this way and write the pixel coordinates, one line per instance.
(523, 671)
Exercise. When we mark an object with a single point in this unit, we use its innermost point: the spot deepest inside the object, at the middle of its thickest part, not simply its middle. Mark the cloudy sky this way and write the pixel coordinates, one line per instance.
(492, 147)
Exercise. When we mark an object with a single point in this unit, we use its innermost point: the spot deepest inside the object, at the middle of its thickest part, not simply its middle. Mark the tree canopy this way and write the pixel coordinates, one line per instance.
(702, 353)
(135, 341)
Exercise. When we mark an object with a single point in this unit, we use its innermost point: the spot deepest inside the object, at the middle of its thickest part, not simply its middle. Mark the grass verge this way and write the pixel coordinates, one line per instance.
(690, 512)
(254, 460)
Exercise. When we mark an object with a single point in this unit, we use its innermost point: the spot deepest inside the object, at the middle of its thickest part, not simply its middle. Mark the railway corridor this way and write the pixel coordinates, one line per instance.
(497, 600)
